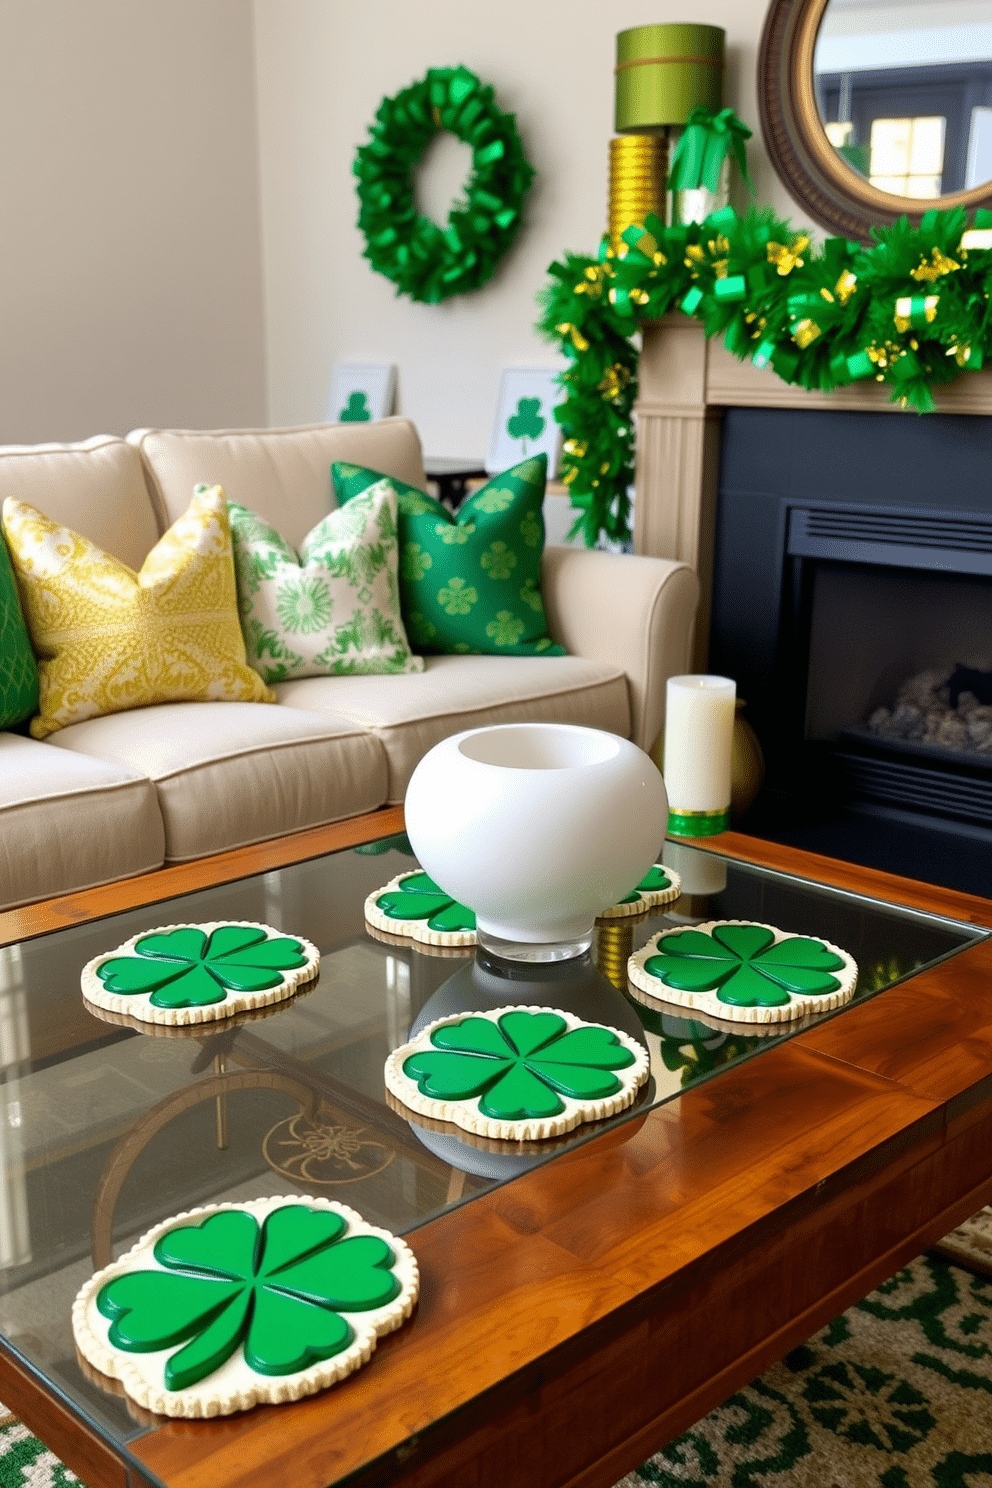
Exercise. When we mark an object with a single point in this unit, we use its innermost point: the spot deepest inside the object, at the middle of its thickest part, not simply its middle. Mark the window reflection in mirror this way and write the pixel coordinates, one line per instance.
(904, 92)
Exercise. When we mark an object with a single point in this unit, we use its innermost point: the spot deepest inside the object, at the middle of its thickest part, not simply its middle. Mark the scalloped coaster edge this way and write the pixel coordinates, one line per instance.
(137, 1004)
(799, 1004)
(466, 1113)
(234, 1385)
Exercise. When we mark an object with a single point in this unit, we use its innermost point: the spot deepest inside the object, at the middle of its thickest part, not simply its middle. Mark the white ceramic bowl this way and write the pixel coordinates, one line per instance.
(537, 827)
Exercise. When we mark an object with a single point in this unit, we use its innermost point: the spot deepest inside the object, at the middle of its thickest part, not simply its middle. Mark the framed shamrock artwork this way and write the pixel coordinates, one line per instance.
(361, 392)
(525, 422)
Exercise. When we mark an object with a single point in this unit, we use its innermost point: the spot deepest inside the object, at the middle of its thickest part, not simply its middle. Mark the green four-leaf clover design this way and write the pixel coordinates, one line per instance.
(520, 1064)
(745, 965)
(654, 881)
(417, 897)
(187, 967)
(278, 1289)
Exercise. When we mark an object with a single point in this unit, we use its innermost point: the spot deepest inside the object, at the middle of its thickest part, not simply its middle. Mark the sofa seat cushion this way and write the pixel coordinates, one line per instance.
(410, 714)
(232, 773)
(68, 822)
(282, 474)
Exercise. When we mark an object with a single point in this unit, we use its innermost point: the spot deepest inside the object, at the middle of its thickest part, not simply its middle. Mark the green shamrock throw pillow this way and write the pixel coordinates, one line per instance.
(332, 608)
(470, 581)
(18, 668)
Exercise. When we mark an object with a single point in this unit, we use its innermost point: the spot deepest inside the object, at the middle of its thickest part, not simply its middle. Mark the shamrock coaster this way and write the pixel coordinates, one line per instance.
(412, 907)
(230, 1305)
(190, 1030)
(660, 885)
(522, 1073)
(422, 948)
(183, 974)
(706, 1023)
(744, 971)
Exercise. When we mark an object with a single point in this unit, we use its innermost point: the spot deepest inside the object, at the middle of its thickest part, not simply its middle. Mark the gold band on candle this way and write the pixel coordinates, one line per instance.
(665, 71)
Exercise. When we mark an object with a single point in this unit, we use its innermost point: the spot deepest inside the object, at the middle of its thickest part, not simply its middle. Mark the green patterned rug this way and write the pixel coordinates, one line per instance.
(25, 1463)
(895, 1393)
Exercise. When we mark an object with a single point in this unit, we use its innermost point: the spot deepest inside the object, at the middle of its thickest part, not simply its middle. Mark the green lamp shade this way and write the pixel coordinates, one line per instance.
(664, 72)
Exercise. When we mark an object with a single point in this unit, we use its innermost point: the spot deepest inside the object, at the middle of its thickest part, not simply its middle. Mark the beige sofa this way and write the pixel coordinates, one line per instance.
(121, 794)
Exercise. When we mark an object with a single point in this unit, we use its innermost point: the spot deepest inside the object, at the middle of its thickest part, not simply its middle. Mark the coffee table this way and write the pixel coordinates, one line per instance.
(578, 1309)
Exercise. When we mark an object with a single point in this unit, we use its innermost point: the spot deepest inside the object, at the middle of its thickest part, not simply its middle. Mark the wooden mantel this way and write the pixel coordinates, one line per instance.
(684, 385)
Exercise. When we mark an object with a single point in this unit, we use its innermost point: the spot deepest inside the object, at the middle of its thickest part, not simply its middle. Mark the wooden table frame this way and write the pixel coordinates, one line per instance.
(573, 1321)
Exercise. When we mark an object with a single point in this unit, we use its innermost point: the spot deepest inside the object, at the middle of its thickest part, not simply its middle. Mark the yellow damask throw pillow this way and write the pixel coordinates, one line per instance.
(108, 639)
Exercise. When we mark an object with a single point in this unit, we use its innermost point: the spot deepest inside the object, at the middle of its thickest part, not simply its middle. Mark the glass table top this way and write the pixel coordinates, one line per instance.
(106, 1130)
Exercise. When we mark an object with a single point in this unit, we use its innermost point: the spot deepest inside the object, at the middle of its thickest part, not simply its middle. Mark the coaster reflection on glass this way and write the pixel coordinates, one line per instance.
(699, 729)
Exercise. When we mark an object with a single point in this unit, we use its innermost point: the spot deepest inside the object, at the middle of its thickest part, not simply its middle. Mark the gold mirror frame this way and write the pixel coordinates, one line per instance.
(819, 179)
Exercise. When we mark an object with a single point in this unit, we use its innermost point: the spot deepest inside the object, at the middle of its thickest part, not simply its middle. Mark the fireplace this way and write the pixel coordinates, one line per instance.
(852, 567)
(699, 407)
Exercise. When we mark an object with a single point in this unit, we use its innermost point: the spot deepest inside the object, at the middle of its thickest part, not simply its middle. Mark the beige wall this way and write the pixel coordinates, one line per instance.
(323, 66)
(141, 194)
(130, 270)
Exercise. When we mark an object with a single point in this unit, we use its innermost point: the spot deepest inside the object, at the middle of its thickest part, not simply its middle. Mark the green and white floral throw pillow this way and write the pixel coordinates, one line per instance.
(330, 609)
(472, 581)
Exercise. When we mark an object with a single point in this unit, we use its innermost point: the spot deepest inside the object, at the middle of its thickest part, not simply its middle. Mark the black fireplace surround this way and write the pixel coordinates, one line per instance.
(851, 549)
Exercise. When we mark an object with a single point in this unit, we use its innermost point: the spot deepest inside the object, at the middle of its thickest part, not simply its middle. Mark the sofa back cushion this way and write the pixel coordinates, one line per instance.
(97, 488)
(283, 475)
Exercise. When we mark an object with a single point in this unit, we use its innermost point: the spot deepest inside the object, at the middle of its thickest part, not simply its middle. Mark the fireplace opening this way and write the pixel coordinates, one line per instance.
(940, 709)
(852, 603)
(899, 686)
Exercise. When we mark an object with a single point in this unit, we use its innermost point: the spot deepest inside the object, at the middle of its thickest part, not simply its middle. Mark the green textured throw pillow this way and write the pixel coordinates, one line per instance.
(472, 581)
(18, 668)
(333, 608)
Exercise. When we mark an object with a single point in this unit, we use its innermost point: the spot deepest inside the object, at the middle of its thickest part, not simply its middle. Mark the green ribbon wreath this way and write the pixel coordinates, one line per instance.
(708, 138)
(423, 260)
(913, 311)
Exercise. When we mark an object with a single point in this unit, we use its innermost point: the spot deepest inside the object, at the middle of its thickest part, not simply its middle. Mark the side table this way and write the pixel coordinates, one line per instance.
(450, 476)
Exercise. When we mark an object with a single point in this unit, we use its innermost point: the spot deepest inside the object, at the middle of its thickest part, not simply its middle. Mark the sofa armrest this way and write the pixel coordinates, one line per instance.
(635, 612)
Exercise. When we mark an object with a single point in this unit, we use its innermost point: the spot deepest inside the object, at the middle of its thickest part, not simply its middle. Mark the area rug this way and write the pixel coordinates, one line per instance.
(971, 1243)
(25, 1463)
(894, 1393)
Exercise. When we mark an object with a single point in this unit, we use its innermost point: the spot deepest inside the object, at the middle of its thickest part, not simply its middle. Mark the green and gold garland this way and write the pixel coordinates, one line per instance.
(423, 260)
(912, 311)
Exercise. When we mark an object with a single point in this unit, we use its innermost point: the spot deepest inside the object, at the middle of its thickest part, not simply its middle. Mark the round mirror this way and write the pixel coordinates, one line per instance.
(875, 108)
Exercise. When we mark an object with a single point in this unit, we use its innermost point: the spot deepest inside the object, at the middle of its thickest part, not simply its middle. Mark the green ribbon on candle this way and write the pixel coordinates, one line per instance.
(698, 823)
(709, 137)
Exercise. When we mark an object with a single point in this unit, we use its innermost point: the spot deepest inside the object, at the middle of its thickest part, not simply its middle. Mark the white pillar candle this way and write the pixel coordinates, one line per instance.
(699, 727)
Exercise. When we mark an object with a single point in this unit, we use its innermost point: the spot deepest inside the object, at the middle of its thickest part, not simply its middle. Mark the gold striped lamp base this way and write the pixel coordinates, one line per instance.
(614, 944)
(638, 173)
